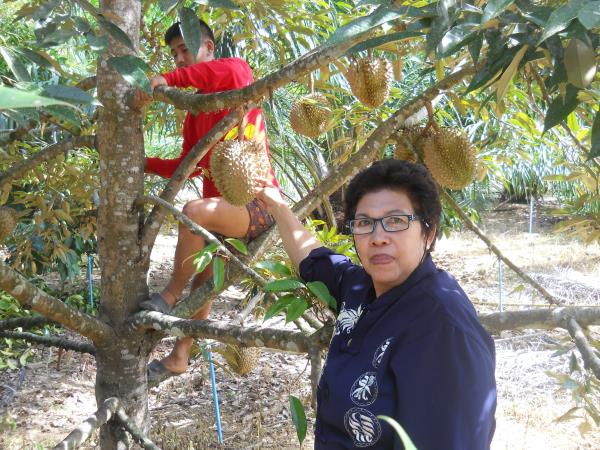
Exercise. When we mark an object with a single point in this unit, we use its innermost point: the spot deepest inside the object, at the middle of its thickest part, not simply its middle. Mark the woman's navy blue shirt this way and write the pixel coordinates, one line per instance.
(417, 354)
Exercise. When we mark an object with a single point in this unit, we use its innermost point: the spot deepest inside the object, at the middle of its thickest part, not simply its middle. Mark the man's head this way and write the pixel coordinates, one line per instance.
(179, 51)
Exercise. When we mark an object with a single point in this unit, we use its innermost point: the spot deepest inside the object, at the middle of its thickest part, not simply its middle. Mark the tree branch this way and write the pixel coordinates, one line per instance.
(251, 336)
(83, 432)
(25, 322)
(137, 434)
(186, 167)
(87, 83)
(545, 319)
(475, 229)
(590, 359)
(261, 88)
(29, 296)
(51, 341)
(44, 155)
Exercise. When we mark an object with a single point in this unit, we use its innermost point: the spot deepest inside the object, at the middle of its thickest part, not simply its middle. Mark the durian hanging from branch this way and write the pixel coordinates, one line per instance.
(370, 79)
(310, 115)
(236, 164)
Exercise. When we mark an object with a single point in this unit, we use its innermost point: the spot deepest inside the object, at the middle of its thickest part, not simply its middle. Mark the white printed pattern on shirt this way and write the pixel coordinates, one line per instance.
(362, 426)
(347, 319)
(381, 351)
(364, 390)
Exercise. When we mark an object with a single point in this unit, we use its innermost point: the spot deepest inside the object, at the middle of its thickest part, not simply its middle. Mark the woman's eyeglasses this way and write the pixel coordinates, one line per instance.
(397, 222)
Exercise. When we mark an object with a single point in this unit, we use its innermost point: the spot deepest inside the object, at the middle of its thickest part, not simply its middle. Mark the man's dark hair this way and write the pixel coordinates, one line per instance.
(397, 175)
(175, 31)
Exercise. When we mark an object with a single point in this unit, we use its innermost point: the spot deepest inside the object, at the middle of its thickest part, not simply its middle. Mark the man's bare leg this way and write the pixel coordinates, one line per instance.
(215, 215)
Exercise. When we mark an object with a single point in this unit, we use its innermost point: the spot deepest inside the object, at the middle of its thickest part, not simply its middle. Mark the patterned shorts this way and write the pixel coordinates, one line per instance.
(260, 220)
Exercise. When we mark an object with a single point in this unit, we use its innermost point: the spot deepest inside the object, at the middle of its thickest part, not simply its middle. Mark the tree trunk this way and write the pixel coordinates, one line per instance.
(121, 364)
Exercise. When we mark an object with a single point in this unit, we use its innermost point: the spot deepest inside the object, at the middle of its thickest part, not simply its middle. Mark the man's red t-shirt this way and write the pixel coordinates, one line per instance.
(212, 76)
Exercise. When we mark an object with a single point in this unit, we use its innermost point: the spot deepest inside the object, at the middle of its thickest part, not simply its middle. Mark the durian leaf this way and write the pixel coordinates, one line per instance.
(117, 33)
(402, 434)
(494, 8)
(274, 267)
(509, 74)
(279, 305)
(363, 24)
(190, 30)
(202, 261)
(296, 308)
(589, 15)
(218, 273)
(298, 417)
(11, 98)
(319, 289)
(69, 94)
(16, 66)
(167, 5)
(238, 245)
(595, 150)
(283, 285)
(580, 63)
(561, 107)
(133, 70)
(560, 18)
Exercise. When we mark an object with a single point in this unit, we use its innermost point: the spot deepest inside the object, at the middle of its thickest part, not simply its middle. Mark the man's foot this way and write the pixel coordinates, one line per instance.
(157, 373)
(156, 303)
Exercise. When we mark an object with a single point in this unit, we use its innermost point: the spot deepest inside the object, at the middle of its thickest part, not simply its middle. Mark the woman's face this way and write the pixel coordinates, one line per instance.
(389, 257)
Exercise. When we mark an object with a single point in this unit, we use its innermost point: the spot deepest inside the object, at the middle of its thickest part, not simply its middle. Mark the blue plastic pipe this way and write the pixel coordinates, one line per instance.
(215, 398)
(89, 274)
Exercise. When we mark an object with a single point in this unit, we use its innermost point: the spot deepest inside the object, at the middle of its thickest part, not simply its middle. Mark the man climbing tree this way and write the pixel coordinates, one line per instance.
(212, 212)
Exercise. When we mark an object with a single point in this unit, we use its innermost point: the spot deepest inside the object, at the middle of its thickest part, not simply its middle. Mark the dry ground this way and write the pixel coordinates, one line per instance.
(50, 399)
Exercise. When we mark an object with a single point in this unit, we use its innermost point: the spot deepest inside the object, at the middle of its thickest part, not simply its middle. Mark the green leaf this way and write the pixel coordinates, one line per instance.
(16, 66)
(494, 8)
(190, 30)
(561, 107)
(319, 289)
(589, 15)
(560, 18)
(44, 11)
(227, 4)
(283, 285)
(595, 150)
(238, 245)
(133, 70)
(279, 305)
(96, 43)
(404, 437)
(117, 33)
(580, 63)
(475, 47)
(69, 94)
(35, 58)
(274, 267)
(361, 25)
(211, 247)
(573, 364)
(296, 308)
(11, 98)
(67, 116)
(456, 38)
(509, 74)
(167, 5)
(202, 260)
(218, 273)
(298, 417)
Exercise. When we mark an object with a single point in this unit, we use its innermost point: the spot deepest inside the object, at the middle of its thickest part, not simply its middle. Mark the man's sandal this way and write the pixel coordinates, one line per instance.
(157, 373)
(156, 303)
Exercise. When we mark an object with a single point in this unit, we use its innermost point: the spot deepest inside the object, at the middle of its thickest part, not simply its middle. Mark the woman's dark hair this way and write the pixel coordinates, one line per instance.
(175, 31)
(397, 175)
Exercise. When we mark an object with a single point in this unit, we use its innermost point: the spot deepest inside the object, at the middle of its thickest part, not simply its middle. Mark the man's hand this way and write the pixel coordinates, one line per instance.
(140, 98)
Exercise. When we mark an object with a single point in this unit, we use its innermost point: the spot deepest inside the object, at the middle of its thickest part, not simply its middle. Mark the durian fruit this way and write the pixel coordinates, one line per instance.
(235, 166)
(8, 221)
(240, 358)
(415, 136)
(310, 115)
(370, 80)
(450, 158)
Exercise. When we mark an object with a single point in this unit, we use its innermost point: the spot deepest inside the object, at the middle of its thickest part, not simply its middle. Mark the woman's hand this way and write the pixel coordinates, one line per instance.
(269, 195)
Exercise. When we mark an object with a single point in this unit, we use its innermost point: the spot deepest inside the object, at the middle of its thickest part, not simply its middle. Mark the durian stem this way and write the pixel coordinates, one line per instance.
(471, 225)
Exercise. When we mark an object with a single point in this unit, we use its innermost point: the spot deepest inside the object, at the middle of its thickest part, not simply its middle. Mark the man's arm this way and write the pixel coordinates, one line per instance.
(297, 240)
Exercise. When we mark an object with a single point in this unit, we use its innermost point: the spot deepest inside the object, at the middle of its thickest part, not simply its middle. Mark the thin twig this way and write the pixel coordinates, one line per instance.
(51, 341)
(590, 359)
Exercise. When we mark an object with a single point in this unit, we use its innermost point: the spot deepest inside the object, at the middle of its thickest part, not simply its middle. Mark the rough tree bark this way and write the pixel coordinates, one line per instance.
(121, 361)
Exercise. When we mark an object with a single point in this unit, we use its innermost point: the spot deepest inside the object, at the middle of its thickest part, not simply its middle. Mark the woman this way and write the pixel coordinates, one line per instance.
(407, 342)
